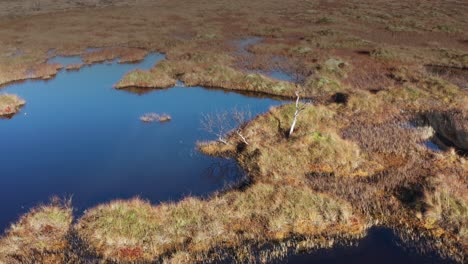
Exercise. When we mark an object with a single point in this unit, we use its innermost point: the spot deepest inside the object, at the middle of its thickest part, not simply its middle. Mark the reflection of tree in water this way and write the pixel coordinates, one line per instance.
(225, 170)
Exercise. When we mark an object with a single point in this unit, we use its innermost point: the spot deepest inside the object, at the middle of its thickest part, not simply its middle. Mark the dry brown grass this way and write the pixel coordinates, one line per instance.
(74, 67)
(404, 182)
(38, 237)
(372, 54)
(125, 55)
(136, 230)
(14, 73)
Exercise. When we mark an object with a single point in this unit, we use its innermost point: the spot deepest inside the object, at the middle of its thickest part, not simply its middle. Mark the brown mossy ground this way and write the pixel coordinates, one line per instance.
(38, 237)
(365, 152)
(136, 230)
(303, 36)
(10, 104)
(353, 159)
(123, 54)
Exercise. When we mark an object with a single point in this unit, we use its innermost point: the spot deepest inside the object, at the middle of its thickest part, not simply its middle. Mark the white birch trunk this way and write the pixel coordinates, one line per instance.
(291, 130)
(242, 137)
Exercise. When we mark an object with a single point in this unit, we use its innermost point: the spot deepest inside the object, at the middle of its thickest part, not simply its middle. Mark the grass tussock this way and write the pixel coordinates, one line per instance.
(136, 230)
(145, 79)
(38, 237)
(447, 204)
(10, 104)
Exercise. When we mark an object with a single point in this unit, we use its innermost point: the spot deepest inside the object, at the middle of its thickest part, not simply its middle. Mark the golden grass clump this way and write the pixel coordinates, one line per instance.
(315, 146)
(375, 67)
(447, 203)
(229, 78)
(214, 71)
(38, 237)
(10, 104)
(145, 79)
(134, 230)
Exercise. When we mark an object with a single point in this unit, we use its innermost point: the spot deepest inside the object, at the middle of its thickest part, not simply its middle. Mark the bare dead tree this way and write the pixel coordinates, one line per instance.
(216, 124)
(240, 118)
(222, 124)
(299, 108)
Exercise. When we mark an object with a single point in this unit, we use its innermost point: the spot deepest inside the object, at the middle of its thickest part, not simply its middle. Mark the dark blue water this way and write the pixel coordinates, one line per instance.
(79, 136)
(379, 246)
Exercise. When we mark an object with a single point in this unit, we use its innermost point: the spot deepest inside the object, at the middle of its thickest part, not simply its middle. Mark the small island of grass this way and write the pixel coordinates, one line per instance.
(10, 104)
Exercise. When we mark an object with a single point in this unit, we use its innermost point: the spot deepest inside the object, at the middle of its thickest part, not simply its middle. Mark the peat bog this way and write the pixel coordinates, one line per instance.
(233, 131)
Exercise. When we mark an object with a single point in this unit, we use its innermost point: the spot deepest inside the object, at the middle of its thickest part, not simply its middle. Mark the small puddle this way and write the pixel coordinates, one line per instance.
(244, 44)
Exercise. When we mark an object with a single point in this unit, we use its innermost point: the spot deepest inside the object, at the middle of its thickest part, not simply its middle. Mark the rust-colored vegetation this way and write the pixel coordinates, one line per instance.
(123, 54)
(384, 78)
(39, 236)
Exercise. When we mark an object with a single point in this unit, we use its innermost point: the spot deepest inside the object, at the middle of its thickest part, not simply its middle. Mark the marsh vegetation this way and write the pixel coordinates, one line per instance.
(384, 80)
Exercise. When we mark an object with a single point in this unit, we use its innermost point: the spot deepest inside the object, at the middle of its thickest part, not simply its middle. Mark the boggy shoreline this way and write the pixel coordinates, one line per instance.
(352, 163)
